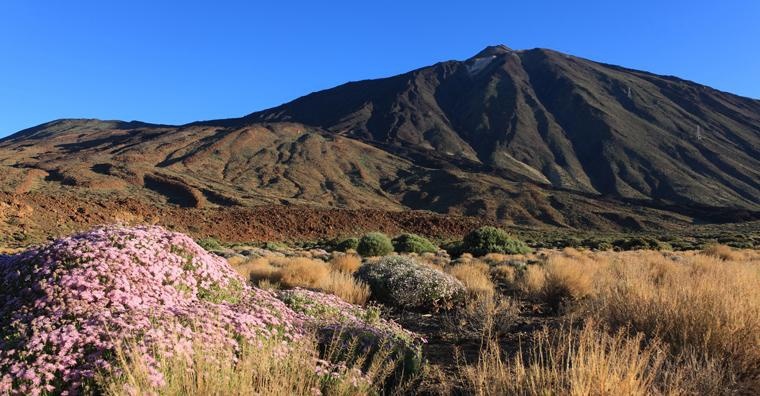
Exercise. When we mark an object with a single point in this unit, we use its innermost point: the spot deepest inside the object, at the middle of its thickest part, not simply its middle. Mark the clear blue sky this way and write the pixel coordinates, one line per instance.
(181, 61)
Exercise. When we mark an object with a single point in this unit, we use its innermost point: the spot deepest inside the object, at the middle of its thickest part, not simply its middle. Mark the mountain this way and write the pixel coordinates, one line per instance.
(531, 137)
(555, 120)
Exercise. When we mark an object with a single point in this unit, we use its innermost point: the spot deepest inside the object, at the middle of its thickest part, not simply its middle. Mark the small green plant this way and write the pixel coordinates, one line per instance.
(412, 243)
(489, 239)
(374, 244)
(274, 246)
(210, 244)
(347, 244)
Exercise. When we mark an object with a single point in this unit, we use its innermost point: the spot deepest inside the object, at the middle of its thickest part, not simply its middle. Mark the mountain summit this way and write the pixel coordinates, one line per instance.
(493, 50)
(536, 137)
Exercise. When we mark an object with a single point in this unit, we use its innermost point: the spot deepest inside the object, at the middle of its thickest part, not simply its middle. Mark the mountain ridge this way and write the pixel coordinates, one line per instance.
(533, 137)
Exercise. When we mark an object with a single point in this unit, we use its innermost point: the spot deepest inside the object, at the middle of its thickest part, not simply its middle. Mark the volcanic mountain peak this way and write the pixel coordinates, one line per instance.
(493, 50)
(532, 137)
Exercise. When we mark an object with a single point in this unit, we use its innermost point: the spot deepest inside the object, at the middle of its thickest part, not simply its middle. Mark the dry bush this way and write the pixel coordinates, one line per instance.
(304, 272)
(531, 282)
(506, 274)
(258, 270)
(568, 362)
(346, 287)
(566, 280)
(482, 318)
(722, 252)
(572, 253)
(698, 305)
(292, 272)
(347, 263)
(475, 279)
(236, 260)
(496, 258)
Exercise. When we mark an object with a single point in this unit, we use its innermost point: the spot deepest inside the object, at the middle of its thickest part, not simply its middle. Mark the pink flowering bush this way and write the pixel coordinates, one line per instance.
(66, 306)
(358, 330)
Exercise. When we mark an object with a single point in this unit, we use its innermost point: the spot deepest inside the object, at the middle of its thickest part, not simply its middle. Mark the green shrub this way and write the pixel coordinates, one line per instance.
(274, 246)
(412, 243)
(489, 239)
(374, 244)
(403, 282)
(454, 248)
(210, 244)
(347, 244)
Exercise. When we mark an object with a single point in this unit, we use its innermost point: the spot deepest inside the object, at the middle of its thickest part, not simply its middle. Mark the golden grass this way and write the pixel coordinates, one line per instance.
(482, 318)
(474, 276)
(259, 269)
(699, 303)
(589, 362)
(304, 272)
(347, 263)
(531, 281)
(346, 287)
(267, 369)
(290, 272)
(668, 323)
(722, 252)
(506, 274)
(566, 280)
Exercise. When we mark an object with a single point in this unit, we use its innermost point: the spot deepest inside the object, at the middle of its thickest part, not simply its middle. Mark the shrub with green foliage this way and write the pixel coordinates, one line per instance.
(413, 243)
(347, 244)
(489, 239)
(374, 244)
(404, 282)
(210, 244)
(453, 248)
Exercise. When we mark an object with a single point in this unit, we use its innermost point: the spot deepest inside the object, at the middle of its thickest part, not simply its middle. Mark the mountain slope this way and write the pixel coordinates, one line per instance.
(519, 137)
(558, 120)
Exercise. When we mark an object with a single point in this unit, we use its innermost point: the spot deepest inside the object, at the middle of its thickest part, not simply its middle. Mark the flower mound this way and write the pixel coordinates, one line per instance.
(402, 281)
(355, 326)
(65, 306)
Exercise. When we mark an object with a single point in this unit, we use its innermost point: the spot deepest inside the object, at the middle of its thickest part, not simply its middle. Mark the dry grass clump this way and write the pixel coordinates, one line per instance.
(573, 253)
(722, 252)
(474, 276)
(267, 369)
(258, 270)
(568, 362)
(503, 273)
(482, 318)
(347, 263)
(346, 287)
(304, 272)
(531, 282)
(290, 272)
(566, 280)
(699, 304)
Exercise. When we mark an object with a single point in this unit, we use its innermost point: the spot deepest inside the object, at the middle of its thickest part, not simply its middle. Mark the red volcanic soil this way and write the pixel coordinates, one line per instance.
(31, 218)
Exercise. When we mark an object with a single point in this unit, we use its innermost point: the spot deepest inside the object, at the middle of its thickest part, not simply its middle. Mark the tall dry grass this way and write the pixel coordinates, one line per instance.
(290, 272)
(267, 369)
(722, 252)
(567, 362)
(347, 263)
(666, 323)
(475, 278)
(698, 305)
(346, 287)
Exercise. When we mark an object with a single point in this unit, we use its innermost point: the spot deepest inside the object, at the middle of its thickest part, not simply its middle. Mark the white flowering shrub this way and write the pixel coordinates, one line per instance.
(403, 282)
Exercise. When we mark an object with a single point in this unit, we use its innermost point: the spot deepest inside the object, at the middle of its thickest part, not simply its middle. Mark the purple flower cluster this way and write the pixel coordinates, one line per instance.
(66, 306)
